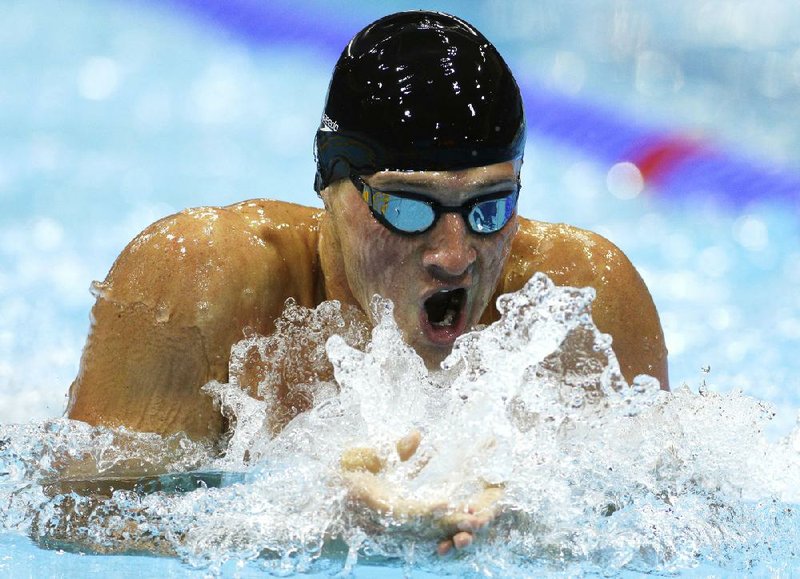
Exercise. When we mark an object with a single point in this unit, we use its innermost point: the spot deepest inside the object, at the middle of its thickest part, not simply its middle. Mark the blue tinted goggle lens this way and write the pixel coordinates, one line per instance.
(491, 215)
(407, 215)
(411, 213)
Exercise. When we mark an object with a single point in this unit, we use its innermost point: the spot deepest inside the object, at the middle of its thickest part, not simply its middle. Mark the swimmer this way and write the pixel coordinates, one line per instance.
(418, 156)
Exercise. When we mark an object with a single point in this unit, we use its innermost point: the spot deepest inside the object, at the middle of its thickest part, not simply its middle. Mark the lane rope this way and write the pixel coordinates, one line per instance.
(673, 164)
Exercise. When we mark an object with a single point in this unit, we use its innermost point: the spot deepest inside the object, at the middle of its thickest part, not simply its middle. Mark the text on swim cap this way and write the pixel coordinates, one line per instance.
(329, 123)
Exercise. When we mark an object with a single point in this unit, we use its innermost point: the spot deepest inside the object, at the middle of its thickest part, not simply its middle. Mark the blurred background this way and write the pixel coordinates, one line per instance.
(671, 128)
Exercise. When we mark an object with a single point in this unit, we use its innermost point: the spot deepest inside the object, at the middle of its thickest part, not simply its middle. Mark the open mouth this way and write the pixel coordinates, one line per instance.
(444, 307)
(444, 315)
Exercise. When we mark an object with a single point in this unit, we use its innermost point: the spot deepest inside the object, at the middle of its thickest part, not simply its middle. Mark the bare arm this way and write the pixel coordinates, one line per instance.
(174, 302)
(623, 307)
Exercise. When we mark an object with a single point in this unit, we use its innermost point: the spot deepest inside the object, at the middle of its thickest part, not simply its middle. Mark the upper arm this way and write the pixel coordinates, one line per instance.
(165, 318)
(623, 306)
(625, 309)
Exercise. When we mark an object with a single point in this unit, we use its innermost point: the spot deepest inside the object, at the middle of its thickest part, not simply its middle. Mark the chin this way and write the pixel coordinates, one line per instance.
(434, 346)
(433, 358)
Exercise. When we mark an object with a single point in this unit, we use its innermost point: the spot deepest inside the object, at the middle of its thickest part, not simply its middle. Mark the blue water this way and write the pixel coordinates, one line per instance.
(114, 114)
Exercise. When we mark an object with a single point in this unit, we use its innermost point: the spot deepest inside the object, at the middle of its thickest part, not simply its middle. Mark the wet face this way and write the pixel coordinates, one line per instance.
(440, 281)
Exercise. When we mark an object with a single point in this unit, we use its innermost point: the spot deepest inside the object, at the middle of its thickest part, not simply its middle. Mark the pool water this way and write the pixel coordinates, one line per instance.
(597, 475)
(116, 114)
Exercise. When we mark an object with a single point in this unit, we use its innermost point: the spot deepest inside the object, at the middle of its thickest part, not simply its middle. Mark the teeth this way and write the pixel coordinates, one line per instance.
(444, 307)
(448, 320)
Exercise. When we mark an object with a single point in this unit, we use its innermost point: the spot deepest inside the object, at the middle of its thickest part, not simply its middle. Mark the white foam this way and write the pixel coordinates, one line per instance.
(597, 475)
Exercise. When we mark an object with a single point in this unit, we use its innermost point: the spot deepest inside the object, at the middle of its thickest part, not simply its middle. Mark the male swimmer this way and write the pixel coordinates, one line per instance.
(418, 165)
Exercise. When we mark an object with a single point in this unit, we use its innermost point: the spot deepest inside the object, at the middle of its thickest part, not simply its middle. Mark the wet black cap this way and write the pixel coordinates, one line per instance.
(418, 91)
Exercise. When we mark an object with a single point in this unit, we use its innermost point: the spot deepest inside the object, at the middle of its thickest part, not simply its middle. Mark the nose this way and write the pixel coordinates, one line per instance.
(449, 253)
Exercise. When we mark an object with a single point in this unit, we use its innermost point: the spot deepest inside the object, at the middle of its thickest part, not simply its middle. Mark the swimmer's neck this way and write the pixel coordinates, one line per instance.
(333, 282)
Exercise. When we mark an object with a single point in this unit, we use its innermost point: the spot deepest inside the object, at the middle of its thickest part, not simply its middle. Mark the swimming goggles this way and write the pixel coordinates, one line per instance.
(411, 213)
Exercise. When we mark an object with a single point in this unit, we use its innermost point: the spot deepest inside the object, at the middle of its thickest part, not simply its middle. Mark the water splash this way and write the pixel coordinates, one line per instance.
(594, 474)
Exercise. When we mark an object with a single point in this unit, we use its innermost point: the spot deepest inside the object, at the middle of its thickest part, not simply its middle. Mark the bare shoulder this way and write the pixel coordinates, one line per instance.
(567, 254)
(198, 249)
(176, 299)
(624, 308)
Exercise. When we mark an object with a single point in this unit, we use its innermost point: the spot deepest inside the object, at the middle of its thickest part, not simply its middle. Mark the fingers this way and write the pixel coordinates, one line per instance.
(474, 523)
(459, 541)
(370, 485)
(444, 547)
(465, 522)
(407, 446)
(473, 518)
(355, 459)
(462, 540)
(481, 511)
(366, 458)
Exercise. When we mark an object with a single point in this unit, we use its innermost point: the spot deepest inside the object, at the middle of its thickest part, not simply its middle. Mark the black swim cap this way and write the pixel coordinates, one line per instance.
(418, 91)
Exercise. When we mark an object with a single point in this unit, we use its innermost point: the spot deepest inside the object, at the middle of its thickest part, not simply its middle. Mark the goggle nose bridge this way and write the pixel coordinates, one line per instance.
(380, 209)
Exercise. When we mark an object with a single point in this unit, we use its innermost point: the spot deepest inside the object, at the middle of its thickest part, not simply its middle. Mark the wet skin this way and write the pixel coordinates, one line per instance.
(183, 291)
(408, 269)
(180, 294)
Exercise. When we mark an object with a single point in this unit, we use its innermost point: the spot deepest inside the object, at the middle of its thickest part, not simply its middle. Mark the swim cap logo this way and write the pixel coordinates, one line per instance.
(328, 123)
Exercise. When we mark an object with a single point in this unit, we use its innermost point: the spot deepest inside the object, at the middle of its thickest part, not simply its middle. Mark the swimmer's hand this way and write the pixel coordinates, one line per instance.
(458, 523)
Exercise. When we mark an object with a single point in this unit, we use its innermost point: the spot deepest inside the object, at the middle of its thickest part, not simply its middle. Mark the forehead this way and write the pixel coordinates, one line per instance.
(465, 181)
